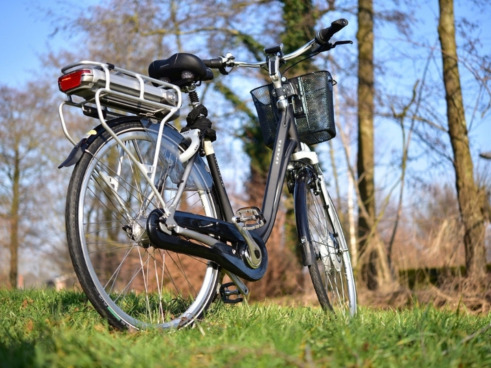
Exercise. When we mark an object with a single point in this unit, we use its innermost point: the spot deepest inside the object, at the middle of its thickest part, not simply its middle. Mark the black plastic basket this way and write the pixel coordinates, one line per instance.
(312, 107)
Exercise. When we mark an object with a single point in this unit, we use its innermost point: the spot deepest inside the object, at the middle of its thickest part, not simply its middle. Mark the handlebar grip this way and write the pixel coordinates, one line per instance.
(324, 35)
(216, 63)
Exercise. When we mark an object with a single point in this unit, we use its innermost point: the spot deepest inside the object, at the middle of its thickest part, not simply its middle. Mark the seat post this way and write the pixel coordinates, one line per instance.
(193, 95)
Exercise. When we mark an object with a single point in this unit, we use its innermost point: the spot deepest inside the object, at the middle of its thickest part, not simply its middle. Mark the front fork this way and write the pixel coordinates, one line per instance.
(303, 174)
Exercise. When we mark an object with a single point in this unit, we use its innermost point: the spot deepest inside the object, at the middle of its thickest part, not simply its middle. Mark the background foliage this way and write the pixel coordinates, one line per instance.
(415, 196)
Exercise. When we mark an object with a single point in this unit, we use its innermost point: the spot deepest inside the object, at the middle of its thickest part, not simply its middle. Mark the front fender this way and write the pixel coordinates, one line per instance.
(303, 179)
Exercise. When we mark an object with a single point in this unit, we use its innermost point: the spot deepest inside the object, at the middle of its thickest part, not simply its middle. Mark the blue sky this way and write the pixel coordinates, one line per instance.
(25, 34)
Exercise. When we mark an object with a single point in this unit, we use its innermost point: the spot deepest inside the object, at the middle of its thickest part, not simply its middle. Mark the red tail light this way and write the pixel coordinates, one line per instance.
(73, 80)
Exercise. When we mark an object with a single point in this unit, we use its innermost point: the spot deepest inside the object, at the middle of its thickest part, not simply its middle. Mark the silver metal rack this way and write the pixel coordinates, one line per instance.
(106, 90)
(103, 90)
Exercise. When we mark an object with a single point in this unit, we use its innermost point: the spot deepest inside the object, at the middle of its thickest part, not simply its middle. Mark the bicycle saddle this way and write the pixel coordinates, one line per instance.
(180, 69)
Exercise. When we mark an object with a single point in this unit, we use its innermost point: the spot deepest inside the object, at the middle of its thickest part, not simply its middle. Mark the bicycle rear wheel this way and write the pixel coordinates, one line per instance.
(330, 269)
(129, 282)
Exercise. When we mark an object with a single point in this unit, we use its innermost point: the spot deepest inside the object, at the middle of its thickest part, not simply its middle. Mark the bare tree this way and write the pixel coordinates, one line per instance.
(365, 160)
(470, 197)
(373, 255)
(25, 142)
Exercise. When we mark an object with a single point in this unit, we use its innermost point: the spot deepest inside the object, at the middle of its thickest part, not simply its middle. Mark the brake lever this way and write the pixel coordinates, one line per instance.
(341, 43)
(328, 46)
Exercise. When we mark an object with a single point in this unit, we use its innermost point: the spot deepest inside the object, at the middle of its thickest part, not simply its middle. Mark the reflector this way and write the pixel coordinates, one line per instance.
(70, 81)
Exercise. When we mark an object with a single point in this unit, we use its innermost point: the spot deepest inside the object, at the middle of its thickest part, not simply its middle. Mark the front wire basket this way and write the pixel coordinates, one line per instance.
(312, 104)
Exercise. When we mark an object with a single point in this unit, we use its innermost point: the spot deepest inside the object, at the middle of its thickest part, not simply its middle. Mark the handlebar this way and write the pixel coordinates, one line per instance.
(216, 63)
(321, 40)
(324, 35)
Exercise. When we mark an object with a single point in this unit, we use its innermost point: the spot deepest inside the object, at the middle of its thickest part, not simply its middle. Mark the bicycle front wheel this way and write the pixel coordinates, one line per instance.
(330, 268)
(129, 282)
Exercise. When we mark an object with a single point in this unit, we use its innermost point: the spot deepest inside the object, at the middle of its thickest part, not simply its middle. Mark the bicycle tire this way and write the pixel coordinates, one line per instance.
(330, 267)
(130, 283)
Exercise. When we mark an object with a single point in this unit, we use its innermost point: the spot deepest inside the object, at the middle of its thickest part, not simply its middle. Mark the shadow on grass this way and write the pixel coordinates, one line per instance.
(17, 354)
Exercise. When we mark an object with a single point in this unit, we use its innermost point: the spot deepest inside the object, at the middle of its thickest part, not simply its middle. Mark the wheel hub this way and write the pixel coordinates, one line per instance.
(136, 231)
(334, 252)
(329, 253)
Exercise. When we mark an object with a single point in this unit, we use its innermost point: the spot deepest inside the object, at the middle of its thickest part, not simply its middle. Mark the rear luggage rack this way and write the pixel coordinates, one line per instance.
(103, 90)
(119, 89)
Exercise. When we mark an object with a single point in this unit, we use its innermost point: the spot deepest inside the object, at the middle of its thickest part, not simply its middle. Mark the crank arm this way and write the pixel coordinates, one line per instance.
(244, 290)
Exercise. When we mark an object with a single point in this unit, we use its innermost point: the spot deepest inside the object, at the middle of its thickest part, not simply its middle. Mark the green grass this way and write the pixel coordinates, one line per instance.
(44, 328)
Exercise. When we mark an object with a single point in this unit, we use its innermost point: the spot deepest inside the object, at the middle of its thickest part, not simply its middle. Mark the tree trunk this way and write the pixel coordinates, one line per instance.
(351, 219)
(14, 224)
(373, 261)
(470, 197)
(365, 160)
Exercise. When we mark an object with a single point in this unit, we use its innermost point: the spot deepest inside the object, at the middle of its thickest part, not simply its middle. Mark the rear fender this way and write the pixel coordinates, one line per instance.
(78, 151)
(199, 177)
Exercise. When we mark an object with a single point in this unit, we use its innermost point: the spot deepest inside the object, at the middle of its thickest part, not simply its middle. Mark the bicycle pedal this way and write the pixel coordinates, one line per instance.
(251, 217)
(230, 293)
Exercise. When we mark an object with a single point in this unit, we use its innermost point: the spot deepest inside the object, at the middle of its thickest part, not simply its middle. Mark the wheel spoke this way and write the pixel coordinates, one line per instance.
(135, 284)
(332, 274)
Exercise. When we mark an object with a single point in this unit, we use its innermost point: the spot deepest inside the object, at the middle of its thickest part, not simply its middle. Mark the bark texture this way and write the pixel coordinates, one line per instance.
(470, 196)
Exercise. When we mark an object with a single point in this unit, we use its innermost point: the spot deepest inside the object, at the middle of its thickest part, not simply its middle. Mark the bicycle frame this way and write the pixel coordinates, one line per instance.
(233, 261)
(285, 144)
(250, 261)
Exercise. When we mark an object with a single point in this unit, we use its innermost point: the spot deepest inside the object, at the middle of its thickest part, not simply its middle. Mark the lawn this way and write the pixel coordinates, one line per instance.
(45, 328)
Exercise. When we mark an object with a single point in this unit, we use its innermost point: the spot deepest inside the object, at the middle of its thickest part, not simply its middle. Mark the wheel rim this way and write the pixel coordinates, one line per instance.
(141, 285)
(331, 254)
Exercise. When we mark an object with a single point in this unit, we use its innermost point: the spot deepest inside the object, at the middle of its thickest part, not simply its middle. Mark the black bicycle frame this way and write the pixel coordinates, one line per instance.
(212, 232)
(284, 145)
